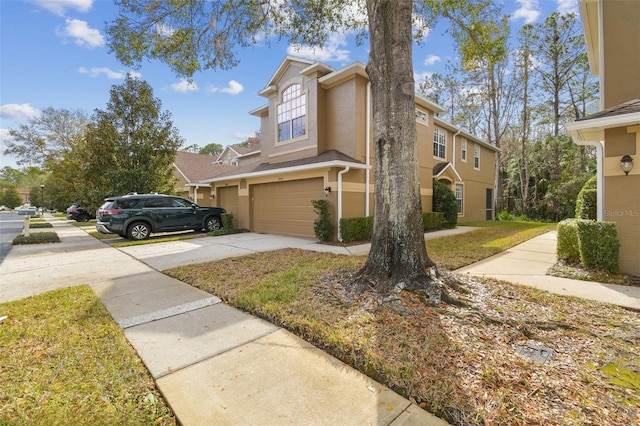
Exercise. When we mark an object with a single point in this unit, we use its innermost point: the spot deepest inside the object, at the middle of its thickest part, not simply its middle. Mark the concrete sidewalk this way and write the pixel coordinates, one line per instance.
(213, 364)
(528, 264)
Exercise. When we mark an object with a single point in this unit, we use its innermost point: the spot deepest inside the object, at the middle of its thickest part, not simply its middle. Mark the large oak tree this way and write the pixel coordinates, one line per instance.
(196, 35)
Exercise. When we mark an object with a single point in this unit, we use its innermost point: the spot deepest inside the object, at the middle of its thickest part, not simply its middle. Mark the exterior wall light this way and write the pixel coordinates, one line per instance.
(626, 164)
(327, 190)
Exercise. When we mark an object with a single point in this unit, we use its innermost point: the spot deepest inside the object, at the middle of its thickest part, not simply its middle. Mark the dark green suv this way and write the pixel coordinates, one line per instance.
(136, 216)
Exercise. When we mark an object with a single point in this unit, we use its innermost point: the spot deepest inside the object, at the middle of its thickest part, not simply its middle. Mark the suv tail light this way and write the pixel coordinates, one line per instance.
(111, 212)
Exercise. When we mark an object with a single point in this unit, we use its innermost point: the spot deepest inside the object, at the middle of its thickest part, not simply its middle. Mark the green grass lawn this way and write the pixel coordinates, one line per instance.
(65, 361)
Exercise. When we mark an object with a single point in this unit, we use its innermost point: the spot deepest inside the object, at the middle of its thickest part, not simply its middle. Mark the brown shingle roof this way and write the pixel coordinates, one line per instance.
(196, 167)
(629, 107)
(326, 156)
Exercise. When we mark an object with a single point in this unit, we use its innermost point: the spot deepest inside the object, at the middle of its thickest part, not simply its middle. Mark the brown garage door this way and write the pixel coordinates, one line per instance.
(228, 200)
(285, 207)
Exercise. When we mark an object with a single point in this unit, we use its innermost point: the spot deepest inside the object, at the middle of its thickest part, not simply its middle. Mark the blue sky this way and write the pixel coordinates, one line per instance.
(53, 54)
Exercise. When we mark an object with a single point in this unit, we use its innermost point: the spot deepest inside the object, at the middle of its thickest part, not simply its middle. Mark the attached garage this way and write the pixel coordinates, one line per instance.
(228, 200)
(285, 207)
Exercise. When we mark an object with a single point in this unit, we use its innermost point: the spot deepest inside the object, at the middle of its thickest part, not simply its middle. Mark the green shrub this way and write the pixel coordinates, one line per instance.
(568, 247)
(40, 225)
(599, 245)
(433, 220)
(37, 238)
(322, 226)
(227, 220)
(444, 200)
(356, 228)
(587, 201)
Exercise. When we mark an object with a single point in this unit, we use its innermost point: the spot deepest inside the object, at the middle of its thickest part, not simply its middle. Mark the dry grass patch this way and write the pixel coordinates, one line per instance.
(459, 363)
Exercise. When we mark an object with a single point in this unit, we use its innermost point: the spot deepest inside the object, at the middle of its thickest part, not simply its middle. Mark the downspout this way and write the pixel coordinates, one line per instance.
(454, 149)
(367, 172)
(340, 173)
(599, 177)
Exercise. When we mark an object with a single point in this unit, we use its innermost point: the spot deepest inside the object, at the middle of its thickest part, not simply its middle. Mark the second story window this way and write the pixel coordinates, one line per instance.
(292, 114)
(463, 153)
(476, 157)
(439, 143)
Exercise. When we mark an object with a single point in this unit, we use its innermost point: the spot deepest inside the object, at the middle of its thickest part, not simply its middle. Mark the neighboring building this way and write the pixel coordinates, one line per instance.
(190, 169)
(612, 35)
(316, 143)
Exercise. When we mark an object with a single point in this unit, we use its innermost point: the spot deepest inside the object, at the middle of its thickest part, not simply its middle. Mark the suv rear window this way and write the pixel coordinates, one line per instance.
(157, 202)
(127, 203)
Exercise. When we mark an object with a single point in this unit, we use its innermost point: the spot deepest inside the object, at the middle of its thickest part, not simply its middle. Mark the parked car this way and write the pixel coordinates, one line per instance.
(136, 216)
(78, 213)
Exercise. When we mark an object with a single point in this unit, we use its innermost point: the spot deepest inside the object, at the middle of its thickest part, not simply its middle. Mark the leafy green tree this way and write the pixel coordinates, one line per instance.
(9, 197)
(203, 34)
(213, 149)
(128, 147)
(46, 138)
(11, 175)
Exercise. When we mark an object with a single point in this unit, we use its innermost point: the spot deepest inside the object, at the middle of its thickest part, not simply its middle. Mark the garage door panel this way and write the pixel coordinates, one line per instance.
(285, 207)
(228, 200)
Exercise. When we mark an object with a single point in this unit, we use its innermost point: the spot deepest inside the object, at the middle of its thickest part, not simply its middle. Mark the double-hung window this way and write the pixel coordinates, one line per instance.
(292, 114)
(439, 143)
(463, 153)
(476, 157)
(459, 195)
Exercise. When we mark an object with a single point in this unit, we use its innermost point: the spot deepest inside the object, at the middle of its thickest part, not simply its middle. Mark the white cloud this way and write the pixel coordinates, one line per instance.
(184, 86)
(331, 51)
(421, 77)
(82, 33)
(18, 112)
(568, 6)
(431, 60)
(529, 11)
(98, 71)
(234, 88)
(59, 7)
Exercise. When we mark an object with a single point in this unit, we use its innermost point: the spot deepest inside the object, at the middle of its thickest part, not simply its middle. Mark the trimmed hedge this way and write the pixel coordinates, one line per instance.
(227, 220)
(599, 245)
(434, 220)
(356, 228)
(568, 248)
(593, 244)
(587, 201)
(361, 228)
(36, 238)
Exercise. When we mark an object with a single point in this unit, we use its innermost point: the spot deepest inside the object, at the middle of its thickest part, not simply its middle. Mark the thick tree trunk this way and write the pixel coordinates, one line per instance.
(398, 257)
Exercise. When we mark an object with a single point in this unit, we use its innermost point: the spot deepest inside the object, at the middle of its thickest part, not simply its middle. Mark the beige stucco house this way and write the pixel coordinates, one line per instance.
(315, 143)
(612, 35)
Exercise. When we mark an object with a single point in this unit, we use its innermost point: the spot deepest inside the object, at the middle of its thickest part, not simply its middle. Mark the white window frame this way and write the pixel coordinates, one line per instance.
(463, 150)
(476, 157)
(439, 143)
(422, 117)
(292, 112)
(459, 192)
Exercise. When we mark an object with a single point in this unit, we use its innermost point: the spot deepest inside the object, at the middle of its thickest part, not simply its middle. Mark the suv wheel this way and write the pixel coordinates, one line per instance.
(83, 217)
(212, 223)
(138, 231)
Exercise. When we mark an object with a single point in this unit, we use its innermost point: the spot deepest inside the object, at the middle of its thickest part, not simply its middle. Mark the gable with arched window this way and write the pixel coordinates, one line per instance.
(292, 114)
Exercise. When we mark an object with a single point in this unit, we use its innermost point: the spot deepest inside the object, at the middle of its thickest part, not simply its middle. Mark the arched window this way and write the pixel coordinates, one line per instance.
(292, 114)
